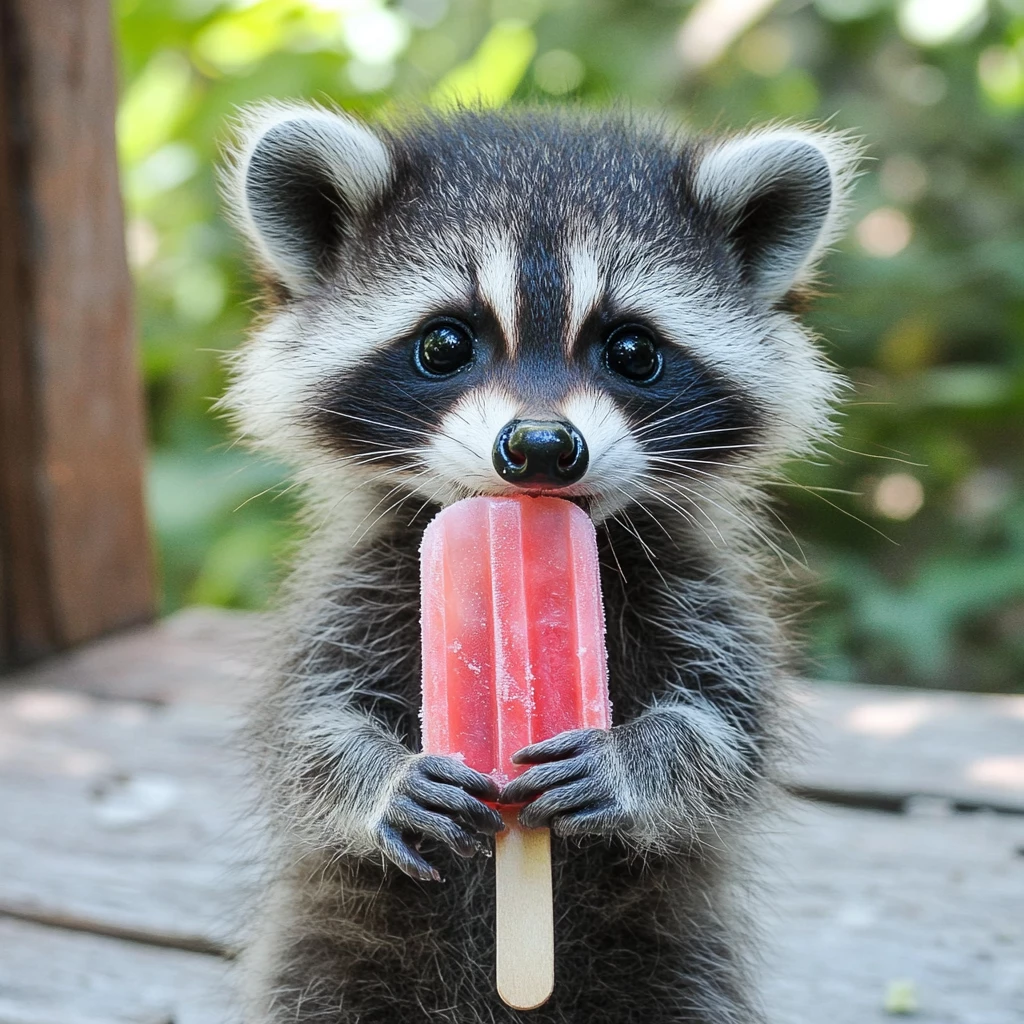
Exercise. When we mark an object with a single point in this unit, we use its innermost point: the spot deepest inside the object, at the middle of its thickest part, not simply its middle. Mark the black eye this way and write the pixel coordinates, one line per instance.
(443, 349)
(632, 352)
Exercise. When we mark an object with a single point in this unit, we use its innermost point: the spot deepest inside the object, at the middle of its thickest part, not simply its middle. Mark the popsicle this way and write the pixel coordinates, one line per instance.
(513, 653)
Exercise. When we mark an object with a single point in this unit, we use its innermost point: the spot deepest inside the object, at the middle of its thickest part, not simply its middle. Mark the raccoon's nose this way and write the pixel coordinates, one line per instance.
(540, 453)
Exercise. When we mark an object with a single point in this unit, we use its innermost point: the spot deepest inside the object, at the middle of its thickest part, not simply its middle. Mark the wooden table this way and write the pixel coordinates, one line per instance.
(126, 852)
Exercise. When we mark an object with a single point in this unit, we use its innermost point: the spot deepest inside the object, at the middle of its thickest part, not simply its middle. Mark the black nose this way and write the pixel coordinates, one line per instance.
(550, 453)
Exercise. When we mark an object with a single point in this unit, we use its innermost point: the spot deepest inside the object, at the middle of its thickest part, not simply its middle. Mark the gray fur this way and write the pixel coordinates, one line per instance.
(648, 819)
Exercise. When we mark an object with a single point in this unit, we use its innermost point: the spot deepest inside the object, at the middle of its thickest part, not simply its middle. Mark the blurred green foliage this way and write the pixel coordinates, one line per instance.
(924, 305)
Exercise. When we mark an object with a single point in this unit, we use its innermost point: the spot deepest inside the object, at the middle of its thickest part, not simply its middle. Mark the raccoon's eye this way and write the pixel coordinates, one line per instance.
(442, 349)
(632, 352)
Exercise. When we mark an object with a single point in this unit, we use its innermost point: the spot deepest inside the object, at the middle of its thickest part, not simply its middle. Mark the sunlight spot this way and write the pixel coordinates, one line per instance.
(49, 706)
(898, 496)
(712, 25)
(1001, 72)
(1014, 707)
(934, 22)
(1006, 772)
(142, 242)
(889, 720)
(370, 77)
(375, 35)
(884, 232)
(558, 72)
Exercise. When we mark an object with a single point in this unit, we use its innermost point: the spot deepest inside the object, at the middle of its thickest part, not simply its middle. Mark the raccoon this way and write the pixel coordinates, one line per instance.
(551, 302)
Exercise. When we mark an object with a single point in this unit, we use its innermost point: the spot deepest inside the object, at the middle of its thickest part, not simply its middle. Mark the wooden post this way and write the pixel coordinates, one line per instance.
(74, 549)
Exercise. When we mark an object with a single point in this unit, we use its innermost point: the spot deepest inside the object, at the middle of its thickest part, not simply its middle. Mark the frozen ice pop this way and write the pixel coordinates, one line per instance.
(513, 653)
(513, 629)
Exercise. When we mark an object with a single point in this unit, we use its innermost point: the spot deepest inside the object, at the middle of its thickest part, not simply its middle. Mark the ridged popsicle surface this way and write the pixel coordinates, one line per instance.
(513, 629)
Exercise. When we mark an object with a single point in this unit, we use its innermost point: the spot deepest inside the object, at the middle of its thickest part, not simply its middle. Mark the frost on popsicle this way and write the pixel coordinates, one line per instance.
(513, 629)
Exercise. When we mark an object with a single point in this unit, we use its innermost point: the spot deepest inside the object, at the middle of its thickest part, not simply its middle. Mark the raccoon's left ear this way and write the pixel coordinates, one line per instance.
(299, 178)
(780, 195)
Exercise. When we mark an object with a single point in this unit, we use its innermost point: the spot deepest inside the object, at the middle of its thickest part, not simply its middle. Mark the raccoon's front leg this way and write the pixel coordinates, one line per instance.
(434, 797)
(355, 788)
(659, 781)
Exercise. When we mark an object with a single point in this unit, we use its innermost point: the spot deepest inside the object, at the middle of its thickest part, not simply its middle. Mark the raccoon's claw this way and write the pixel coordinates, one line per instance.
(574, 786)
(436, 798)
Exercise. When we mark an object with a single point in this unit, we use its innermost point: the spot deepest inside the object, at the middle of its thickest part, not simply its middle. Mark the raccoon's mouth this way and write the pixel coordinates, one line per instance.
(583, 501)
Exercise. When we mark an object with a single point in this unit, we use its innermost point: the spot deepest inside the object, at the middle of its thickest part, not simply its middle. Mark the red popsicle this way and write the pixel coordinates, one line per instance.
(513, 653)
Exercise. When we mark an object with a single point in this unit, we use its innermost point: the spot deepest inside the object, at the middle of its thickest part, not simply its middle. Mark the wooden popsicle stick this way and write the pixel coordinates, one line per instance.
(525, 918)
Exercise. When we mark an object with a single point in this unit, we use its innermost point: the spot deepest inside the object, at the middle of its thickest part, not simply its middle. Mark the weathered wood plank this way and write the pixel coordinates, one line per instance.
(871, 742)
(118, 802)
(74, 549)
(864, 900)
(889, 742)
(125, 817)
(52, 976)
(197, 656)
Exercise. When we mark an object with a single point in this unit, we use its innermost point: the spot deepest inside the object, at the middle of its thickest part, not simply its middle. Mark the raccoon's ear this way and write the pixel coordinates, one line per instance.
(780, 195)
(298, 178)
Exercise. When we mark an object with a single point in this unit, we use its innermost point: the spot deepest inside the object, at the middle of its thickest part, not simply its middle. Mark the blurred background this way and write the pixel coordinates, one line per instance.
(911, 529)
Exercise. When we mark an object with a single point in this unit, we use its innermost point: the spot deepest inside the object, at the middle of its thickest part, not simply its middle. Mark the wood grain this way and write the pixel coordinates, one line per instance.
(886, 745)
(859, 902)
(124, 814)
(125, 818)
(74, 550)
(53, 976)
(525, 923)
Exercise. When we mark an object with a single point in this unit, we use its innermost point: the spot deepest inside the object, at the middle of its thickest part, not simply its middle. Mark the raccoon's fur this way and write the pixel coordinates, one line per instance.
(535, 241)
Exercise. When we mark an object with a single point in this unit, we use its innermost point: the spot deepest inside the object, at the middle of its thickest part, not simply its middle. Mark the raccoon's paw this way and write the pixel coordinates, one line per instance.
(438, 798)
(578, 784)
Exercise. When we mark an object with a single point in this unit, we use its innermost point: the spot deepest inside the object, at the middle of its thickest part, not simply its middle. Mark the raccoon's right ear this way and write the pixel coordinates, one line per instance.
(298, 177)
(780, 195)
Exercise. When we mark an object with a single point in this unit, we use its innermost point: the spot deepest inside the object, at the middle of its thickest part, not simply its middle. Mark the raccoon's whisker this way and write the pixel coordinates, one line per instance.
(361, 485)
(417, 419)
(654, 492)
(432, 496)
(869, 455)
(814, 487)
(378, 448)
(647, 549)
(631, 529)
(407, 414)
(325, 518)
(373, 508)
(287, 490)
(661, 526)
(391, 507)
(372, 423)
(266, 490)
(611, 548)
(816, 491)
(700, 448)
(665, 405)
(785, 557)
(683, 463)
(362, 458)
(696, 433)
(689, 471)
(686, 412)
(370, 459)
(792, 536)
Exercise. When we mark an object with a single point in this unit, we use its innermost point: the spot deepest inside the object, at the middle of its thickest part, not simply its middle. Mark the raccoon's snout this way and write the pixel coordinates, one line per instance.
(540, 453)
